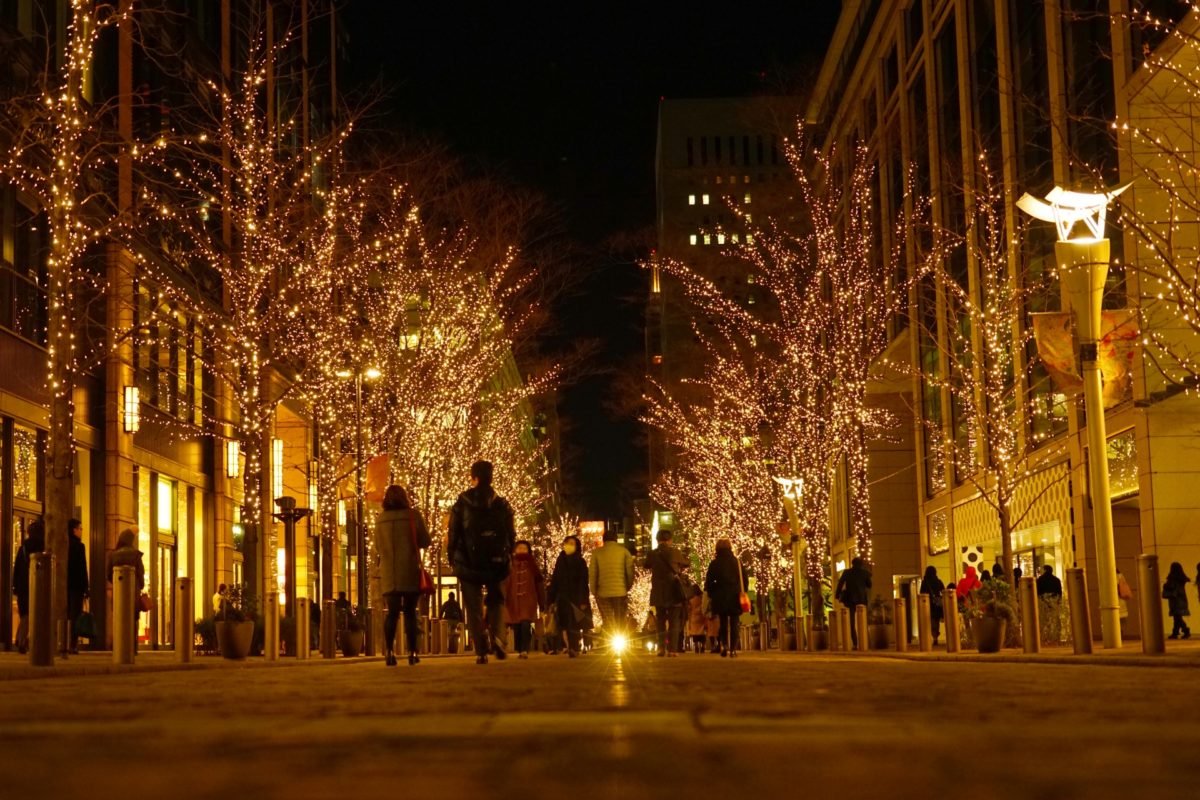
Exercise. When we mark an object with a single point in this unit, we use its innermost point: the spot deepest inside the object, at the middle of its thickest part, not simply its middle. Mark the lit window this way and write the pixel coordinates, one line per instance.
(749, 219)
(692, 239)
(746, 199)
(754, 340)
(745, 179)
(691, 199)
(704, 199)
(720, 238)
(734, 238)
(718, 180)
(750, 279)
(749, 238)
(750, 299)
(707, 239)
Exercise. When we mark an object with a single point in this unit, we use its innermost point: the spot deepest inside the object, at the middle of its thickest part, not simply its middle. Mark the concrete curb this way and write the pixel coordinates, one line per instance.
(1179, 661)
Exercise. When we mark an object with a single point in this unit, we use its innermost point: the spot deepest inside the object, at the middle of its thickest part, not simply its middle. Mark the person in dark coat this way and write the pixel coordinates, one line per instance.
(725, 581)
(1048, 584)
(524, 595)
(568, 592)
(400, 535)
(667, 564)
(127, 555)
(932, 585)
(77, 577)
(35, 542)
(853, 590)
(1175, 593)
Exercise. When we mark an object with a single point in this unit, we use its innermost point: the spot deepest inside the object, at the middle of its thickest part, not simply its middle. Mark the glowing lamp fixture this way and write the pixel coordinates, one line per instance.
(131, 416)
(619, 644)
(1065, 208)
(792, 487)
(371, 373)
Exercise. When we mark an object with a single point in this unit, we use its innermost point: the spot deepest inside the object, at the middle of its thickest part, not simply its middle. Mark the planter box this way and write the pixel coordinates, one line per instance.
(351, 643)
(989, 633)
(234, 639)
(879, 636)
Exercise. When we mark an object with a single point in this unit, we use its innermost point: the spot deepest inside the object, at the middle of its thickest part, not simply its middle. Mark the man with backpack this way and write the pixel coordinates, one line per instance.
(482, 536)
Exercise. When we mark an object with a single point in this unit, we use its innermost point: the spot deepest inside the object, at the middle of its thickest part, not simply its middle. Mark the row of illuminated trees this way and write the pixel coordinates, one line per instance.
(297, 263)
(784, 389)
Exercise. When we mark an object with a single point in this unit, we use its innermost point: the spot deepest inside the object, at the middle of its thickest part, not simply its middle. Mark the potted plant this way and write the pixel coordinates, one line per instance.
(989, 610)
(879, 624)
(351, 636)
(235, 623)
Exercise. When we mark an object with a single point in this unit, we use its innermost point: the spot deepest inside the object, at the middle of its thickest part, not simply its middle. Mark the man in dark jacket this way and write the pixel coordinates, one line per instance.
(35, 542)
(482, 536)
(77, 577)
(1048, 584)
(666, 595)
(453, 614)
(854, 589)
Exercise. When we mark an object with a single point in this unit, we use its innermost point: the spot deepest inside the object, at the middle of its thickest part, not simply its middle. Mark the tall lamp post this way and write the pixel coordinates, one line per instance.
(1083, 269)
(360, 545)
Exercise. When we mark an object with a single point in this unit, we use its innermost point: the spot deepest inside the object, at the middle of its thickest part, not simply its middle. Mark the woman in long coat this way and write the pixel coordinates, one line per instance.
(524, 594)
(400, 535)
(932, 585)
(1175, 593)
(725, 582)
(569, 592)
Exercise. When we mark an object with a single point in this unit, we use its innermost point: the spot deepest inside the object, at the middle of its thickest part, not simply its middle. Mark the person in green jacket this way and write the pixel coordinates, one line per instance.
(610, 577)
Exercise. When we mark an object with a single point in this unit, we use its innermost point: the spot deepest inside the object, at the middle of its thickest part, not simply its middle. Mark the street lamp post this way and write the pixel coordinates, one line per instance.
(792, 488)
(360, 544)
(1083, 267)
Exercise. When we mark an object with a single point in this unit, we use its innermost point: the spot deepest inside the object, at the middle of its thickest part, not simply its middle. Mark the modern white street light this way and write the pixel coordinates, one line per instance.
(792, 489)
(1083, 268)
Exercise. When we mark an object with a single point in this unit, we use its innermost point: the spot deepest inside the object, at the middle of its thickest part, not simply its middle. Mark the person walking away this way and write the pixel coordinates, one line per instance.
(452, 612)
(569, 593)
(126, 554)
(667, 564)
(854, 589)
(610, 577)
(725, 581)
(77, 578)
(697, 622)
(1048, 584)
(524, 594)
(35, 542)
(400, 536)
(482, 536)
(1175, 593)
(932, 585)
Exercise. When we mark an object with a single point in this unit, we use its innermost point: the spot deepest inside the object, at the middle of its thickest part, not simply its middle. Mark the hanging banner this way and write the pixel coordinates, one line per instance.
(1054, 333)
(376, 482)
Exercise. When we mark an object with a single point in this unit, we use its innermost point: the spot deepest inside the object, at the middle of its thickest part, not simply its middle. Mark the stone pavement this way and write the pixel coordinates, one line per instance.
(775, 725)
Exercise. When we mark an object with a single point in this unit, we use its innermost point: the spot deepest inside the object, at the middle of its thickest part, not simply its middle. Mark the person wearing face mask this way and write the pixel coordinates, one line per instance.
(524, 594)
(569, 592)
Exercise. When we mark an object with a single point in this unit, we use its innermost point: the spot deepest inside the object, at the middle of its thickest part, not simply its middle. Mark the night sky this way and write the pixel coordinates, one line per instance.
(563, 99)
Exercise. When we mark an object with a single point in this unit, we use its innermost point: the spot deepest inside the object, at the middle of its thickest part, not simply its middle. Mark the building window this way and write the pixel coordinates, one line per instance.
(27, 467)
(717, 148)
(734, 238)
(692, 239)
(703, 149)
(23, 308)
(718, 180)
(749, 238)
(691, 199)
(704, 199)
(691, 152)
(746, 198)
(720, 238)
(708, 238)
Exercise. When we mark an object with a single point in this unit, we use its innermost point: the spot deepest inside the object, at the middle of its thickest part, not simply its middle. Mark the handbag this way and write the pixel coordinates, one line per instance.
(743, 598)
(144, 603)
(424, 579)
(85, 626)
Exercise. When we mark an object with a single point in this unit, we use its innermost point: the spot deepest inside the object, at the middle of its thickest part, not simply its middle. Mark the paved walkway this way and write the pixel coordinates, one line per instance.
(764, 725)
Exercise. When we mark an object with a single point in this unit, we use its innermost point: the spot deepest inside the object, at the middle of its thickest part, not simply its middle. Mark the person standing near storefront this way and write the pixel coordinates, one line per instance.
(724, 582)
(667, 564)
(524, 594)
(932, 585)
(400, 536)
(127, 555)
(35, 542)
(1175, 593)
(854, 589)
(610, 576)
(77, 577)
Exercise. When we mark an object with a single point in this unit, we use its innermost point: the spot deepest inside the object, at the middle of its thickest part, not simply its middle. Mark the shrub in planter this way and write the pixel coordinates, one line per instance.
(352, 636)
(990, 614)
(235, 623)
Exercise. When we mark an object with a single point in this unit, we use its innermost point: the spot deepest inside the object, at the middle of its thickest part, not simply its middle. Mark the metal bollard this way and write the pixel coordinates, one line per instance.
(860, 625)
(41, 628)
(924, 624)
(844, 622)
(124, 593)
(950, 618)
(373, 625)
(1030, 624)
(809, 644)
(1149, 603)
(833, 625)
(329, 630)
(303, 629)
(271, 626)
(1081, 617)
(900, 624)
(185, 621)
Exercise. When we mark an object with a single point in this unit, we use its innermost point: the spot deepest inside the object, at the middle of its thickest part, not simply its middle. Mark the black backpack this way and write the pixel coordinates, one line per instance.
(485, 530)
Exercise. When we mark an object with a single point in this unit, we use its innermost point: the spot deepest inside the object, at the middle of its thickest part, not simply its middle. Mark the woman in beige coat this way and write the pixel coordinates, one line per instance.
(400, 535)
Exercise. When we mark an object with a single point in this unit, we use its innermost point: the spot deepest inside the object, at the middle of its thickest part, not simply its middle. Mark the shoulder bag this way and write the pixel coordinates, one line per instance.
(424, 579)
(743, 598)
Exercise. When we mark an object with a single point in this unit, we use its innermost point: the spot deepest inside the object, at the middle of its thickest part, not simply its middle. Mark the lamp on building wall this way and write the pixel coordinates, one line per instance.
(277, 467)
(1083, 269)
(131, 415)
(233, 454)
